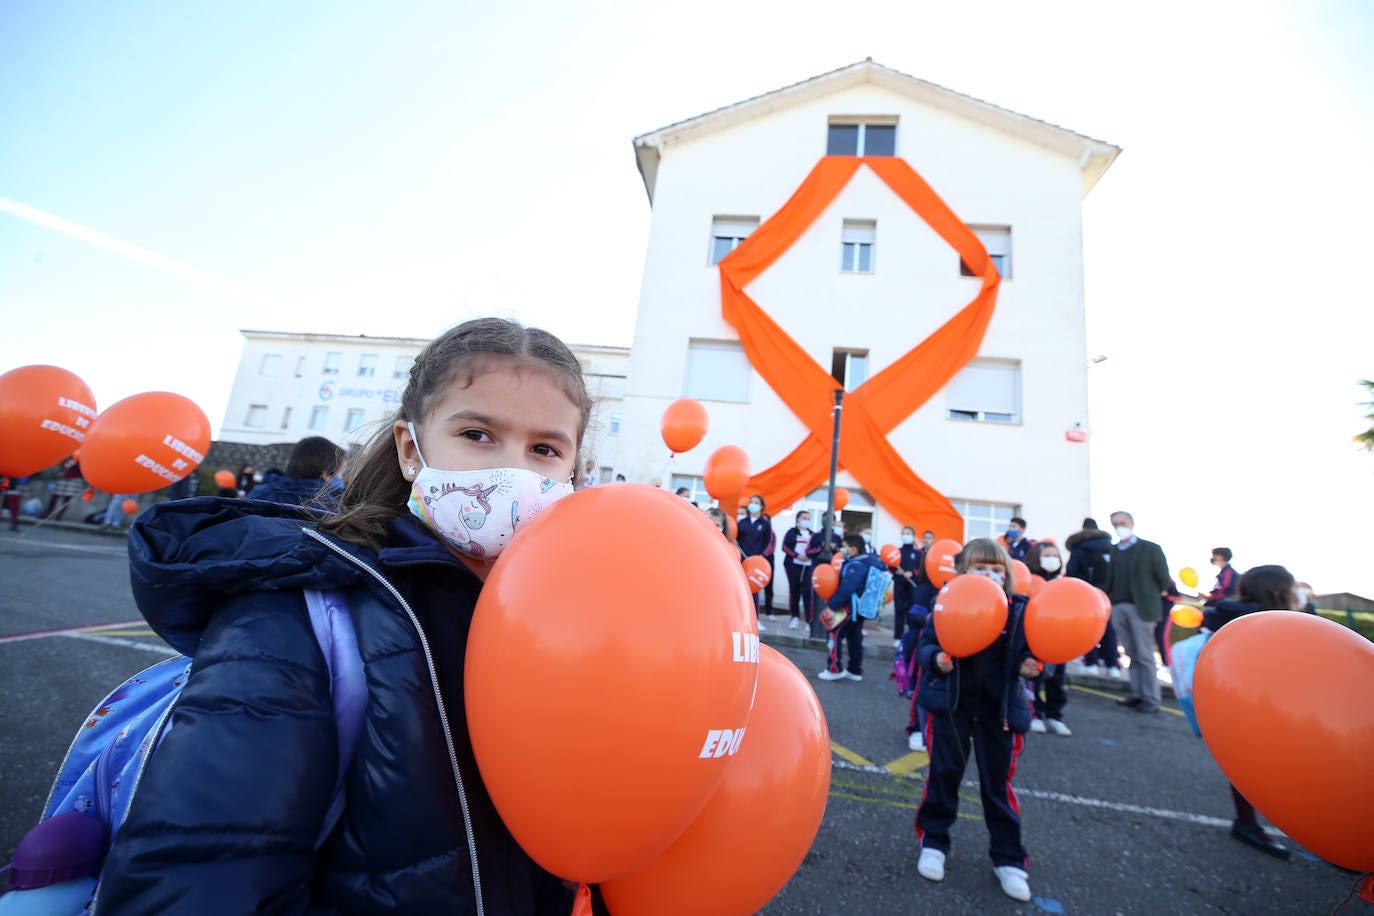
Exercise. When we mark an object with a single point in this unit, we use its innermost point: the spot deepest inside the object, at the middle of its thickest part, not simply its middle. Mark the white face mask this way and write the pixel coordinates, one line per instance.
(804, 526)
(992, 574)
(1302, 596)
(1123, 533)
(1049, 564)
(755, 508)
(908, 539)
(868, 538)
(476, 512)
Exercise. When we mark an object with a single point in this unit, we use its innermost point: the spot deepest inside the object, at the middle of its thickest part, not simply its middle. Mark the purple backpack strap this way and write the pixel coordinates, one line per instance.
(333, 625)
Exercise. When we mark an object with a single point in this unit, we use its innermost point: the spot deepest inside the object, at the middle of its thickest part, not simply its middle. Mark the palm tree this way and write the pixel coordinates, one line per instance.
(1366, 438)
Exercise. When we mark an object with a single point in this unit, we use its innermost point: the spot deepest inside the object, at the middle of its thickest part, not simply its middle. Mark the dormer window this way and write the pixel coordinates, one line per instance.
(862, 138)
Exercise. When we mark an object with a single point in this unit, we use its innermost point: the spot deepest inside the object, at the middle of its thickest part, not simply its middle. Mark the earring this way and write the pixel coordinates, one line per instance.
(410, 471)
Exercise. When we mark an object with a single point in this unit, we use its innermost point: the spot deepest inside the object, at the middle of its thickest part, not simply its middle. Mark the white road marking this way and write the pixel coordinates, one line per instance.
(79, 548)
(163, 650)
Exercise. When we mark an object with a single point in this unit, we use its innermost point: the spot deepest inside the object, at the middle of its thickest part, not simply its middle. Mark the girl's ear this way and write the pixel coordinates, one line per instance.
(407, 453)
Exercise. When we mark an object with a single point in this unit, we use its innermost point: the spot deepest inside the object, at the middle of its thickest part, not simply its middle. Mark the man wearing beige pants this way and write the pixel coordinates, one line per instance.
(1136, 579)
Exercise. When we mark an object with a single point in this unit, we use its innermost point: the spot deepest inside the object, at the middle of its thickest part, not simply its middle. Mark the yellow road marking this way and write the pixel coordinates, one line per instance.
(908, 763)
(909, 806)
(1112, 696)
(846, 754)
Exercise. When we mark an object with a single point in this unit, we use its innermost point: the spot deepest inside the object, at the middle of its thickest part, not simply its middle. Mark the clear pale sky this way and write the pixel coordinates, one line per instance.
(171, 173)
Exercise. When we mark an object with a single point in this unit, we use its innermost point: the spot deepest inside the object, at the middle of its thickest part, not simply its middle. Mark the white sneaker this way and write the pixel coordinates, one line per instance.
(1116, 674)
(853, 677)
(772, 618)
(795, 624)
(1100, 670)
(896, 645)
(1038, 726)
(931, 865)
(1059, 728)
(762, 628)
(828, 675)
(1014, 883)
(916, 742)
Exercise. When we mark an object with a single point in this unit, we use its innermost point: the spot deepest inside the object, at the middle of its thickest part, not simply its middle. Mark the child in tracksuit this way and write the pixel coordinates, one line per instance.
(923, 599)
(978, 698)
(853, 575)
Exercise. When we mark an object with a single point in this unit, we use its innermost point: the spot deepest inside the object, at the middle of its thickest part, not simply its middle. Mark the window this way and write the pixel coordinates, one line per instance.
(300, 366)
(319, 417)
(997, 240)
(849, 368)
(604, 474)
(727, 232)
(257, 416)
(270, 365)
(864, 138)
(367, 365)
(615, 425)
(696, 484)
(402, 369)
(332, 362)
(856, 246)
(985, 520)
(986, 391)
(353, 419)
(717, 371)
(286, 418)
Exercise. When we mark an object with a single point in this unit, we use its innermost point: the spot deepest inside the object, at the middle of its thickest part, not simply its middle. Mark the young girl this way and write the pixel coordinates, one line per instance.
(976, 698)
(756, 539)
(227, 813)
(1262, 588)
(799, 550)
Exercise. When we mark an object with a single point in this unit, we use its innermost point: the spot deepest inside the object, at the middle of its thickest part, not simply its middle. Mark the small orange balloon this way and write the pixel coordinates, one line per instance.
(144, 443)
(891, 554)
(129, 506)
(940, 561)
(1186, 616)
(969, 614)
(825, 580)
(837, 560)
(1036, 583)
(758, 826)
(45, 415)
(757, 572)
(226, 480)
(1064, 620)
(1324, 714)
(841, 498)
(1020, 577)
(726, 473)
(684, 425)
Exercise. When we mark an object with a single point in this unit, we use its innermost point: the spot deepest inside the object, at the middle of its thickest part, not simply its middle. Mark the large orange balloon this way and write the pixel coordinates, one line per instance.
(1020, 577)
(825, 580)
(757, 572)
(628, 779)
(726, 473)
(45, 415)
(684, 425)
(940, 561)
(226, 480)
(1064, 620)
(969, 614)
(891, 555)
(758, 826)
(1314, 784)
(144, 443)
(841, 498)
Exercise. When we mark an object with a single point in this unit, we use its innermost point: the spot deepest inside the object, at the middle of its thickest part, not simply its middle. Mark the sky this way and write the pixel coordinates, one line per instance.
(173, 173)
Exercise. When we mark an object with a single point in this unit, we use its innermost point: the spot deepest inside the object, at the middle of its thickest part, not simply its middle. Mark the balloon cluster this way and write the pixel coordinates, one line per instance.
(732, 784)
(140, 444)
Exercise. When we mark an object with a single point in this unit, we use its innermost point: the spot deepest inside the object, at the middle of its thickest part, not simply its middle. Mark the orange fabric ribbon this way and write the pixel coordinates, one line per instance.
(873, 409)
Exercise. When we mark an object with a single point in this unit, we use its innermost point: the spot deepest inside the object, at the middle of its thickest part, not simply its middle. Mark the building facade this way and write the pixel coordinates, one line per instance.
(289, 386)
(866, 283)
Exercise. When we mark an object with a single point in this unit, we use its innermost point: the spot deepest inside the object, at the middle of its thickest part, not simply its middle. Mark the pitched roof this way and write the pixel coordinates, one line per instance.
(1094, 156)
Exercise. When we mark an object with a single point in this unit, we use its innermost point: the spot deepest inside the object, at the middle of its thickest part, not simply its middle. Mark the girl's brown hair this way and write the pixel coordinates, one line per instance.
(986, 550)
(376, 491)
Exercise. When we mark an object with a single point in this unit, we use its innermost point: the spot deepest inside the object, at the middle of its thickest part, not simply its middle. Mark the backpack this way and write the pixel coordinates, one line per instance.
(56, 865)
(1183, 658)
(876, 596)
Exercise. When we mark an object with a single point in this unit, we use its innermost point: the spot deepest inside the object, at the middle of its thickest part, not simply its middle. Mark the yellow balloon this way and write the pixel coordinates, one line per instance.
(1188, 576)
(1186, 616)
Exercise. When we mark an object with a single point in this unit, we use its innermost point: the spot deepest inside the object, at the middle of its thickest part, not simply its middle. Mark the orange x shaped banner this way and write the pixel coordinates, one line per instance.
(875, 408)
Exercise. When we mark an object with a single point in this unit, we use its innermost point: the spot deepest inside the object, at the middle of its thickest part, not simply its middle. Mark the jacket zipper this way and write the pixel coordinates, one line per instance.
(438, 699)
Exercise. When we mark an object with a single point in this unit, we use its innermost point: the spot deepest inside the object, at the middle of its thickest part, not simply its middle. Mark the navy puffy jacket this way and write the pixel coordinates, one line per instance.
(999, 664)
(226, 814)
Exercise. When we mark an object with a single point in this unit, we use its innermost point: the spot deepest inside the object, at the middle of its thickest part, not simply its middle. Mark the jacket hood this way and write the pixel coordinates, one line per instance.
(1087, 535)
(188, 556)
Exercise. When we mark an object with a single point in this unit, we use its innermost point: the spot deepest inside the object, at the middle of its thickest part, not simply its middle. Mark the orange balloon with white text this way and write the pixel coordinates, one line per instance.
(1064, 620)
(940, 561)
(628, 780)
(45, 415)
(891, 555)
(825, 580)
(970, 613)
(684, 425)
(144, 443)
(753, 834)
(1323, 712)
(757, 572)
(726, 473)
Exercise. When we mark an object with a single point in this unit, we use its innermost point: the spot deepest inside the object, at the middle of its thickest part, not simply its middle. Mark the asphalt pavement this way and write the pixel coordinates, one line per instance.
(1128, 816)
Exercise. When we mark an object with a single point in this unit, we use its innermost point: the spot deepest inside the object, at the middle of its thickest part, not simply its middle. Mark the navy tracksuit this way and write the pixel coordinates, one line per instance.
(903, 589)
(853, 575)
(983, 703)
(795, 546)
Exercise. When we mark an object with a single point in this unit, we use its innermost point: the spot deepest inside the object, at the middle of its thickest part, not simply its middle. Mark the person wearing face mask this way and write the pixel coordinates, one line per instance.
(867, 534)
(486, 436)
(1044, 560)
(1015, 541)
(850, 633)
(977, 699)
(799, 551)
(1261, 590)
(1228, 580)
(1137, 580)
(756, 539)
(904, 583)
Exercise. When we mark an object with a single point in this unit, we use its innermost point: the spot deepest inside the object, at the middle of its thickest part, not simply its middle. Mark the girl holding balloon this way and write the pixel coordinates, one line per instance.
(487, 435)
(756, 539)
(1045, 561)
(978, 699)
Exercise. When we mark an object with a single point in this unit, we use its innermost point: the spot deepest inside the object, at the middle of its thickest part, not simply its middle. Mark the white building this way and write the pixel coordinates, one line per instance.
(867, 282)
(289, 386)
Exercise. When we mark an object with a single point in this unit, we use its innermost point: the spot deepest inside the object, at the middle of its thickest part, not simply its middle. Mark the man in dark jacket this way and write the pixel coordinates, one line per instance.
(1090, 556)
(1136, 581)
(309, 477)
(853, 575)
